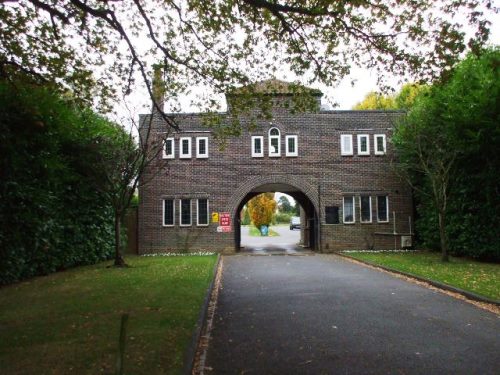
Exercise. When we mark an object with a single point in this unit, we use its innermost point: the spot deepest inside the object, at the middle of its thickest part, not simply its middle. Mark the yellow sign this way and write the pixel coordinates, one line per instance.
(215, 217)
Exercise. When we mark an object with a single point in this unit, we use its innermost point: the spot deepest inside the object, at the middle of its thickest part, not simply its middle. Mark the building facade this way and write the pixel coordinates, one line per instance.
(339, 165)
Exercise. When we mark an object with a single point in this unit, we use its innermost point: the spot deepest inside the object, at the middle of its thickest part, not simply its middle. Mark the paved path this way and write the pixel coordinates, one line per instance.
(287, 243)
(324, 315)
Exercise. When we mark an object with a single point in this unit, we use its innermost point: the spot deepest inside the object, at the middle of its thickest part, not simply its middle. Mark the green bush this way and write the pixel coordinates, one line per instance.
(282, 217)
(52, 215)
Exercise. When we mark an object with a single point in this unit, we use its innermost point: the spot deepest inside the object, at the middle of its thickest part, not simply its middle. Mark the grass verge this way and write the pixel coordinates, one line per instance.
(254, 232)
(69, 322)
(477, 277)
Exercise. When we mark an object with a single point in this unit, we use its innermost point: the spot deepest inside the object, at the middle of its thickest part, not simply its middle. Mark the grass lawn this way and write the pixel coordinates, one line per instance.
(69, 322)
(256, 233)
(477, 277)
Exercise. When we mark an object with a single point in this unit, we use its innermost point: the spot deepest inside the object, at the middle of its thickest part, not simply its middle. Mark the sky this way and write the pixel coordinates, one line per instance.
(345, 95)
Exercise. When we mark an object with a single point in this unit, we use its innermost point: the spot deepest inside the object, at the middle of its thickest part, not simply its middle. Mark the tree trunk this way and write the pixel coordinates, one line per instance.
(442, 235)
(119, 261)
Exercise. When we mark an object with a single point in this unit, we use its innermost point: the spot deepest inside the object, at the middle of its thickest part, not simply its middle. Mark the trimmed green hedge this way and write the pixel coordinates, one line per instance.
(52, 215)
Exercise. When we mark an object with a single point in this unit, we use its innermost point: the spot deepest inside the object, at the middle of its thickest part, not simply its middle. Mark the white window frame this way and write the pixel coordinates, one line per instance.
(353, 200)
(190, 212)
(343, 151)
(261, 153)
(181, 154)
(375, 144)
(386, 209)
(198, 154)
(361, 136)
(361, 210)
(296, 140)
(271, 137)
(164, 154)
(198, 213)
(163, 212)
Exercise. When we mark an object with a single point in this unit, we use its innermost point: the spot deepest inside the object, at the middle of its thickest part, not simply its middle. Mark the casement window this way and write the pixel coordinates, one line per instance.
(185, 212)
(363, 144)
(274, 142)
(346, 144)
(202, 212)
(185, 148)
(202, 147)
(332, 215)
(257, 146)
(168, 148)
(291, 145)
(349, 210)
(365, 205)
(168, 212)
(379, 144)
(382, 208)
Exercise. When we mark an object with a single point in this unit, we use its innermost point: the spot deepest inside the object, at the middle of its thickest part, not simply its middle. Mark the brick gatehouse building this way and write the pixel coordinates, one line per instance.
(336, 164)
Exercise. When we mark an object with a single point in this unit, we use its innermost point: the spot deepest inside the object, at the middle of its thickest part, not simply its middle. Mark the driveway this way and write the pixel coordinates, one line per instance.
(324, 315)
(287, 243)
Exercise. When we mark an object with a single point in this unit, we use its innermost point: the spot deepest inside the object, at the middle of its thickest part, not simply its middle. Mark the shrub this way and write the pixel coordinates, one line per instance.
(51, 215)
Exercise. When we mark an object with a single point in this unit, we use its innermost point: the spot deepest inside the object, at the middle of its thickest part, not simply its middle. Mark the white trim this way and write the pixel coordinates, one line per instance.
(343, 150)
(386, 209)
(198, 155)
(361, 210)
(164, 152)
(163, 212)
(375, 144)
(181, 154)
(367, 152)
(190, 213)
(353, 200)
(272, 137)
(261, 153)
(198, 213)
(296, 141)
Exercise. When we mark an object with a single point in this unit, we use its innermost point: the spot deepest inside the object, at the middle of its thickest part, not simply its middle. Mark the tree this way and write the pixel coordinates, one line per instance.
(119, 166)
(94, 49)
(261, 209)
(375, 100)
(284, 204)
(404, 99)
(245, 216)
(447, 146)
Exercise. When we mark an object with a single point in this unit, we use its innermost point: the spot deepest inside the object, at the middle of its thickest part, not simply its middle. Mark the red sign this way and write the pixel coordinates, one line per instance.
(224, 219)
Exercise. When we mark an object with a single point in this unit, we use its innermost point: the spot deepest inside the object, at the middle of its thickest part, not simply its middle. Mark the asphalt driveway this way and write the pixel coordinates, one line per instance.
(287, 242)
(324, 315)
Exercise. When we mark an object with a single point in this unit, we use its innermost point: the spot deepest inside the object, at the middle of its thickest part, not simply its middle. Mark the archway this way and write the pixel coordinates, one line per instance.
(303, 192)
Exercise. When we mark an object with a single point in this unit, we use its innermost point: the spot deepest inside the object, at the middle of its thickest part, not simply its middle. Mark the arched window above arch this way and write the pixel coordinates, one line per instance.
(274, 142)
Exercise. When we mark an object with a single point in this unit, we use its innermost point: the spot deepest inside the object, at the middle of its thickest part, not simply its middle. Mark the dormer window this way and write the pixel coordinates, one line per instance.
(274, 142)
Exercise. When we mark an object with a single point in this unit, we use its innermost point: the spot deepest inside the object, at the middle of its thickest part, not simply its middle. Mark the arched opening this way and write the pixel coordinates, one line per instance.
(309, 232)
